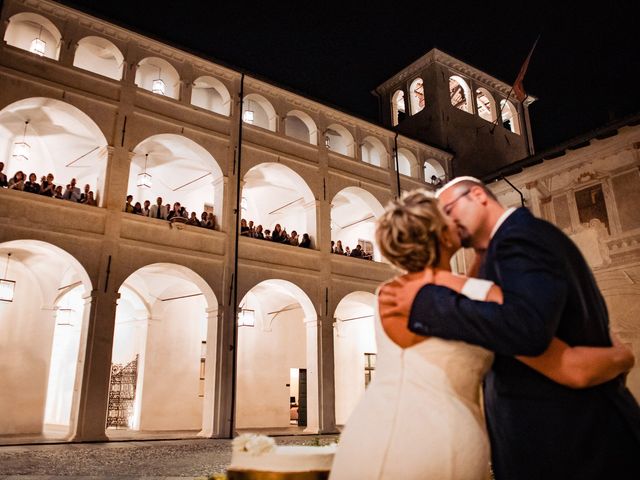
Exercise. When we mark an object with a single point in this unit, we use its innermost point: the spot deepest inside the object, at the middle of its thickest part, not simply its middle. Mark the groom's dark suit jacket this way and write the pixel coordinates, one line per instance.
(538, 428)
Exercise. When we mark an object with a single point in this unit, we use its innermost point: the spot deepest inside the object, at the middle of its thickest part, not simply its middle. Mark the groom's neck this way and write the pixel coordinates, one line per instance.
(494, 212)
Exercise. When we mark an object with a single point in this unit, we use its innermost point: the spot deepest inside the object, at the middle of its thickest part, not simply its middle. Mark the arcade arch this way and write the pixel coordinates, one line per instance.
(211, 94)
(398, 107)
(163, 352)
(258, 111)
(158, 76)
(301, 126)
(510, 119)
(60, 139)
(353, 215)
(433, 171)
(179, 170)
(42, 339)
(277, 357)
(407, 163)
(373, 152)
(338, 139)
(99, 55)
(354, 350)
(416, 95)
(274, 194)
(34, 33)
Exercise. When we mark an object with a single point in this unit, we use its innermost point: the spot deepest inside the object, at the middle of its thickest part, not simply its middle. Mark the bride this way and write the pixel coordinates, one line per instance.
(420, 417)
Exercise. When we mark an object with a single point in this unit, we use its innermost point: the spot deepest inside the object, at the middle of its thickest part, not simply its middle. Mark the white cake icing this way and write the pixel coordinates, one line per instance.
(286, 459)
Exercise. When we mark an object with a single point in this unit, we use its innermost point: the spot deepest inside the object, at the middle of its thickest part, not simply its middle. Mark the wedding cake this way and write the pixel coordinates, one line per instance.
(257, 457)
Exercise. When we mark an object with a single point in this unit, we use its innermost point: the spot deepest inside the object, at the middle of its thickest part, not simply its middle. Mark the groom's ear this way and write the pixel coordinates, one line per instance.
(479, 194)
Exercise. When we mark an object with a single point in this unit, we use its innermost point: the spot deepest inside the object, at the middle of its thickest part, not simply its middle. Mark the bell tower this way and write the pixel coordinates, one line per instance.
(446, 103)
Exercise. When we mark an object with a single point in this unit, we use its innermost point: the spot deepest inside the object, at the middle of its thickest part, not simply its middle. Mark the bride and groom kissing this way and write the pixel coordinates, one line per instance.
(532, 328)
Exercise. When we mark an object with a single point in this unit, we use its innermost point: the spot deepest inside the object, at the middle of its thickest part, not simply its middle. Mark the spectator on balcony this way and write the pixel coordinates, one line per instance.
(211, 221)
(252, 229)
(3, 176)
(306, 241)
(193, 219)
(259, 234)
(85, 194)
(32, 186)
(333, 246)
(158, 210)
(127, 206)
(203, 219)
(17, 182)
(347, 252)
(284, 236)
(72, 192)
(267, 234)
(293, 239)
(244, 228)
(167, 211)
(47, 188)
(90, 200)
(338, 248)
(137, 209)
(183, 212)
(58, 193)
(357, 252)
(276, 235)
(176, 212)
(146, 208)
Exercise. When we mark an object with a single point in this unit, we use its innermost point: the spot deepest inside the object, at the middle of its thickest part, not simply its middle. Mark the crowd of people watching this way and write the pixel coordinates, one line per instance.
(177, 213)
(47, 188)
(278, 235)
(357, 252)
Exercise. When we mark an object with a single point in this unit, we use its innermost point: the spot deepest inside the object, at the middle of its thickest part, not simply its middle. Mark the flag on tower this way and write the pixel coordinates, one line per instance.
(518, 87)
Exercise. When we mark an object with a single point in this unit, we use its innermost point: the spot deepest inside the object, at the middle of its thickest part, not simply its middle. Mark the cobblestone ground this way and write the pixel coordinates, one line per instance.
(120, 460)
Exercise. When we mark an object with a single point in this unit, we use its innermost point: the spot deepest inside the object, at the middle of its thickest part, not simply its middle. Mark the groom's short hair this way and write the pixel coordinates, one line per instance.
(466, 181)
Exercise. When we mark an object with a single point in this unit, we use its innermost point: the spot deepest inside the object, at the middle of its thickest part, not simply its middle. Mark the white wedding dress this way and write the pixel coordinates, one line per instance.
(420, 417)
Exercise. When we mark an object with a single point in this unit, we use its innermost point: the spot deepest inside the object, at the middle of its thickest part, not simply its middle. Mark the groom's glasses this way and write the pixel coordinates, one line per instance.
(448, 208)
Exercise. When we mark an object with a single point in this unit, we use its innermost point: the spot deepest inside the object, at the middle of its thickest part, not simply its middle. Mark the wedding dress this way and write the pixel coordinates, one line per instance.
(420, 417)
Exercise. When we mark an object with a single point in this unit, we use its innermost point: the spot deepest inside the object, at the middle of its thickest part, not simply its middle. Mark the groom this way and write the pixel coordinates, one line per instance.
(538, 428)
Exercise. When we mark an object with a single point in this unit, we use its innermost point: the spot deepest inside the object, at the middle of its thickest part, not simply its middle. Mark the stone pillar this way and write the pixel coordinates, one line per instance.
(313, 380)
(210, 427)
(220, 186)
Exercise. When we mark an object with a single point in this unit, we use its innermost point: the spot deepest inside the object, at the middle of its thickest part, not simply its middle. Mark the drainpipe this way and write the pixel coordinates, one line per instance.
(234, 277)
(502, 177)
(395, 151)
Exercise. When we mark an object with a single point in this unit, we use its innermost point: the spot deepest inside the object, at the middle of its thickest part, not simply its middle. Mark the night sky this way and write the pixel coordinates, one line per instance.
(584, 71)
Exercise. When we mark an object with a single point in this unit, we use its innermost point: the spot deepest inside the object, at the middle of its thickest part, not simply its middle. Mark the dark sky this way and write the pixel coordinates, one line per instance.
(584, 71)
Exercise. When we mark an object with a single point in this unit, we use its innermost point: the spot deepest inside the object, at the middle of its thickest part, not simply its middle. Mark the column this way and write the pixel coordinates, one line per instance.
(313, 374)
(210, 421)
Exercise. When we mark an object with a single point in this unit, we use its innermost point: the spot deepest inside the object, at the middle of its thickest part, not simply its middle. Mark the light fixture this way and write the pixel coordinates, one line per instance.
(22, 149)
(248, 116)
(158, 85)
(246, 318)
(38, 45)
(7, 287)
(327, 141)
(144, 179)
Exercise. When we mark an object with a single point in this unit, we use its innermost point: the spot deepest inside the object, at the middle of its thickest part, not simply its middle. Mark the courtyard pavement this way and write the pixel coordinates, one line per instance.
(197, 458)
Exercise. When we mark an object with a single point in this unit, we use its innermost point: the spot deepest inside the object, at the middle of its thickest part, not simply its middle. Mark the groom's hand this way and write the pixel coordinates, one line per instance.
(396, 297)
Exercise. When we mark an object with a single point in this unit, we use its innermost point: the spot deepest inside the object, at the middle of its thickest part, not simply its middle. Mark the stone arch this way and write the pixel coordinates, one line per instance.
(273, 193)
(211, 94)
(258, 111)
(338, 139)
(99, 55)
(374, 153)
(34, 33)
(433, 168)
(61, 139)
(301, 126)
(353, 343)
(180, 170)
(416, 96)
(353, 215)
(158, 76)
(42, 338)
(276, 314)
(486, 105)
(407, 163)
(460, 93)
(165, 334)
(510, 117)
(398, 107)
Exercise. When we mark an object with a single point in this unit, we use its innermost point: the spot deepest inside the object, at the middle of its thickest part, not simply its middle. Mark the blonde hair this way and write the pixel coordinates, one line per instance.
(409, 231)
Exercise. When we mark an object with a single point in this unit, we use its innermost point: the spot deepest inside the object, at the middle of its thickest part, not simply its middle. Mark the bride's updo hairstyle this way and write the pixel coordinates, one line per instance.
(409, 230)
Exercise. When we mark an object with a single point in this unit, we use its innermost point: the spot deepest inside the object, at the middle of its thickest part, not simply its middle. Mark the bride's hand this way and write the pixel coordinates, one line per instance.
(396, 297)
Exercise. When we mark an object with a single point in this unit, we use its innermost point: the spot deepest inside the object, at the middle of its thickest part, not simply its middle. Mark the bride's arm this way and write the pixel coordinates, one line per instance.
(574, 367)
